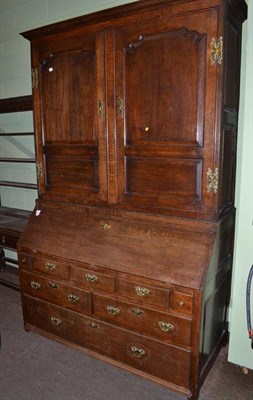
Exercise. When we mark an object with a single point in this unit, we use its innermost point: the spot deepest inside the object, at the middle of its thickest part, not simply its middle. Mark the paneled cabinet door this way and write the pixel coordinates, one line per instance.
(69, 93)
(165, 97)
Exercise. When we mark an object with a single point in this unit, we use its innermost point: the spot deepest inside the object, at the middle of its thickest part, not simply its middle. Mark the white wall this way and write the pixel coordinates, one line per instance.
(240, 351)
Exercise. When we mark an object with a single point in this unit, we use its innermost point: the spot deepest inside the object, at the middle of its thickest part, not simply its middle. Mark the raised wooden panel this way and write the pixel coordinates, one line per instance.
(68, 96)
(162, 176)
(157, 71)
(72, 173)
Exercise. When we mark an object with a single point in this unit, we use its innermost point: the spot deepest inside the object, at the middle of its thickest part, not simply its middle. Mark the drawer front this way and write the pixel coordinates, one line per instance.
(161, 360)
(7, 240)
(144, 320)
(51, 267)
(143, 294)
(181, 302)
(92, 279)
(56, 292)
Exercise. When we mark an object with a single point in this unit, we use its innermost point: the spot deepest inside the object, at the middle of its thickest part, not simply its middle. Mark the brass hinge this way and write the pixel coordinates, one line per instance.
(35, 78)
(39, 170)
(216, 56)
(212, 180)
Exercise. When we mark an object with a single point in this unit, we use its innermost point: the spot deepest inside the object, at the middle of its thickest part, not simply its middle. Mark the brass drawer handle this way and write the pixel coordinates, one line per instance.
(23, 260)
(35, 285)
(138, 312)
(55, 321)
(73, 298)
(91, 278)
(93, 324)
(53, 285)
(181, 303)
(166, 326)
(141, 291)
(50, 266)
(3, 238)
(113, 310)
(138, 352)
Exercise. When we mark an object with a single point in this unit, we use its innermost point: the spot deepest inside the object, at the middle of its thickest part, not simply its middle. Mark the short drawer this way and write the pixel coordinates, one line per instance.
(163, 326)
(51, 267)
(92, 280)
(56, 292)
(161, 360)
(143, 294)
(8, 240)
(24, 261)
(181, 302)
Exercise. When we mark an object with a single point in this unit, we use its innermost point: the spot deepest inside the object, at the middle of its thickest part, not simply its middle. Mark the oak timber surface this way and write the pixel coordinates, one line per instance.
(153, 251)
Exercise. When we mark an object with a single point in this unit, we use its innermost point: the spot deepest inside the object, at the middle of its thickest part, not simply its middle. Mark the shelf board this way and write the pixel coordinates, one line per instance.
(16, 104)
(17, 160)
(19, 184)
(17, 134)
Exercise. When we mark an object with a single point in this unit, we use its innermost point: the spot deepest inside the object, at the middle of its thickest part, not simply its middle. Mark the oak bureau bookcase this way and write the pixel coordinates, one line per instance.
(128, 252)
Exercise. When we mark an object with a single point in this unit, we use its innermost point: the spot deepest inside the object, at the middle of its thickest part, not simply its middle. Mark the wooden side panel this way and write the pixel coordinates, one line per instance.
(232, 37)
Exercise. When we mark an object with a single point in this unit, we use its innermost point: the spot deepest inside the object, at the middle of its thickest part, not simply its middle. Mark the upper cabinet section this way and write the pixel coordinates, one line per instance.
(129, 107)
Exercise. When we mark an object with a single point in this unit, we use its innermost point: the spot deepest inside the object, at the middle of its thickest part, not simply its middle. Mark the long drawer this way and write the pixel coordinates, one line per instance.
(168, 327)
(56, 292)
(158, 359)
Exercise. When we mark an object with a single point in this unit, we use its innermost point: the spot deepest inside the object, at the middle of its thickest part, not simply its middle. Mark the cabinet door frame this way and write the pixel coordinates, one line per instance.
(97, 149)
(206, 23)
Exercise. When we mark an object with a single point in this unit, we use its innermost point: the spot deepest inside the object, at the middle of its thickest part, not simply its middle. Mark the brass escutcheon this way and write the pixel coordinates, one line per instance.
(53, 285)
(104, 225)
(138, 312)
(93, 324)
(50, 266)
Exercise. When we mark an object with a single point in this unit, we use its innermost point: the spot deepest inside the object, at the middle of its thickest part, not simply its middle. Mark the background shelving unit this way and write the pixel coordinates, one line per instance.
(13, 220)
